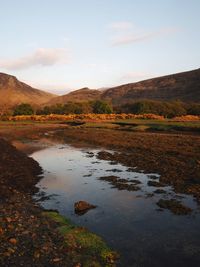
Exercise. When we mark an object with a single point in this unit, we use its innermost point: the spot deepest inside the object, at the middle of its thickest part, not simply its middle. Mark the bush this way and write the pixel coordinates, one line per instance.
(193, 109)
(166, 109)
(101, 107)
(23, 109)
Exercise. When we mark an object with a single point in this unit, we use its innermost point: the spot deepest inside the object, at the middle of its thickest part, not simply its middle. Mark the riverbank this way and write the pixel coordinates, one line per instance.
(176, 157)
(29, 236)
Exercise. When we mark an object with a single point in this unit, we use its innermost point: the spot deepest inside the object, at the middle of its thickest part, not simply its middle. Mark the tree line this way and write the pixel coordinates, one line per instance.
(98, 107)
(166, 109)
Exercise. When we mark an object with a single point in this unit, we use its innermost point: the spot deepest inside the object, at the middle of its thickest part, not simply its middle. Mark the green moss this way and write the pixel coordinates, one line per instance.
(57, 217)
(86, 247)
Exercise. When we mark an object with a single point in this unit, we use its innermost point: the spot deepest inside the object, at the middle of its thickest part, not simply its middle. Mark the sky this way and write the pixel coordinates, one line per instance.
(64, 45)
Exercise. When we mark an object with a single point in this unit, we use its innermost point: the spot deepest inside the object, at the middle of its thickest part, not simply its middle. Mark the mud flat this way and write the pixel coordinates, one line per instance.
(175, 157)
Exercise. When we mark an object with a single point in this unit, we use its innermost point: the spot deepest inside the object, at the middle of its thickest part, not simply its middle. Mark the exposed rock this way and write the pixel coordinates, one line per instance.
(156, 184)
(120, 183)
(159, 191)
(174, 206)
(81, 207)
(104, 155)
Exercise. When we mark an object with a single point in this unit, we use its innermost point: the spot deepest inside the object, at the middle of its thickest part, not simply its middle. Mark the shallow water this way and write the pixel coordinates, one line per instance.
(129, 221)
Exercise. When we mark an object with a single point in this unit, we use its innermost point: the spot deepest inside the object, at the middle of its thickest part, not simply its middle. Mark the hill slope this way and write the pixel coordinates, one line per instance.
(14, 92)
(81, 95)
(183, 86)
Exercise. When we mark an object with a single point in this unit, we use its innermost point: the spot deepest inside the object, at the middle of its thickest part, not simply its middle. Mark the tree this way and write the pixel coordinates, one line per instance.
(101, 107)
(193, 109)
(23, 109)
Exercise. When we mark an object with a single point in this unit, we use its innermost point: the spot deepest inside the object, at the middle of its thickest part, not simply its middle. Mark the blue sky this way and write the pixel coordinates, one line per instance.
(60, 45)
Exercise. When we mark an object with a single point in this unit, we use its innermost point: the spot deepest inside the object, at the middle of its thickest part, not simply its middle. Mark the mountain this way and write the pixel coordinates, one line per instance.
(183, 86)
(81, 95)
(14, 92)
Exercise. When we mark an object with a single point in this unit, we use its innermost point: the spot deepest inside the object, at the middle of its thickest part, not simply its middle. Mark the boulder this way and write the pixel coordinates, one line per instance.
(82, 207)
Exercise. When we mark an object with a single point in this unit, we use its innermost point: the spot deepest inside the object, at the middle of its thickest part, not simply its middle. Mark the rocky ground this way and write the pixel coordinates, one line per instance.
(24, 230)
(176, 157)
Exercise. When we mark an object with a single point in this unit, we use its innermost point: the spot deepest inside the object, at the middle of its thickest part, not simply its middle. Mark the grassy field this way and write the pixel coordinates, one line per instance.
(168, 125)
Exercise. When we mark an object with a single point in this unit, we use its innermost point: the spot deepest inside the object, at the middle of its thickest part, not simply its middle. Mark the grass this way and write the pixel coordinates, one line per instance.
(84, 246)
(158, 125)
(168, 125)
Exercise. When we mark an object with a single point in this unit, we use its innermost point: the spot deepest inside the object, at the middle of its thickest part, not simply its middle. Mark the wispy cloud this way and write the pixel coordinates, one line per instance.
(124, 33)
(40, 57)
(121, 25)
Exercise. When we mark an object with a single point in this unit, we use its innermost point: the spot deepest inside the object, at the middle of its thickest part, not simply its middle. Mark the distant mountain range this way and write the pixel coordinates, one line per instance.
(183, 86)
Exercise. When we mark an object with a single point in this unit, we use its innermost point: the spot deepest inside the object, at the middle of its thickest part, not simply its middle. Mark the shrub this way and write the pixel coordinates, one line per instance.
(101, 107)
(23, 109)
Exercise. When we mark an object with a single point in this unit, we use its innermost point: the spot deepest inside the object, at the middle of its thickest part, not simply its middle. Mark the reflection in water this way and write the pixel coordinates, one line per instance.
(129, 221)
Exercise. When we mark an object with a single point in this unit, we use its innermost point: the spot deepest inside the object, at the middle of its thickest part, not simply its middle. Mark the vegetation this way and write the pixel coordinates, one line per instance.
(166, 109)
(101, 107)
(87, 247)
(154, 109)
(98, 107)
(23, 109)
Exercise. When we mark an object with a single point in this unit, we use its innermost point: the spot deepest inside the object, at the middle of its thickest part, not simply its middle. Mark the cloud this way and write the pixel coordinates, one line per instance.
(122, 25)
(41, 57)
(124, 33)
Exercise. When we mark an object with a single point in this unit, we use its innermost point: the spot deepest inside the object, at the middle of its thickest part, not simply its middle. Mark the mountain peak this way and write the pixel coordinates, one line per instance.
(14, 92)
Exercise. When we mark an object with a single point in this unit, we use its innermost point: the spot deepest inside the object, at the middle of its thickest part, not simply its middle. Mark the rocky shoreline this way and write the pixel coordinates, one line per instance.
(29, 236)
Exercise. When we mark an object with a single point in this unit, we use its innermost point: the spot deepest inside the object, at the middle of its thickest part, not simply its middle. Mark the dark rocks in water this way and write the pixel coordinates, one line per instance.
(174, 206)
(113, 162)
(159, 191)
(81, 207)
(153, 177)
(125, 186)
(131, 170)
(119, 183)
(155, 183)
(110, 178)
(134, 181)
(87, 175)
(122, 180)
(114, 170)
(104, 155)
(90, 154)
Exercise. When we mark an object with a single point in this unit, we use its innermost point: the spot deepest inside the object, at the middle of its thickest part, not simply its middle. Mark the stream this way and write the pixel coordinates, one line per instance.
(129, 221)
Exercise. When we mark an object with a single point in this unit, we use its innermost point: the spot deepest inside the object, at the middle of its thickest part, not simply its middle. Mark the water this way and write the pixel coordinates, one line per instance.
(129, 221)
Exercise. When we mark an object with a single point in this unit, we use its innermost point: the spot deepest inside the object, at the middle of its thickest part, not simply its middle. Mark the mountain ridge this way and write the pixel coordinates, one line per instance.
(14, 92)
(183, 86)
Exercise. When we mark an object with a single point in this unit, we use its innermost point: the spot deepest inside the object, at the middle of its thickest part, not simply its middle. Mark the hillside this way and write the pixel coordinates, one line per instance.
(183, 86)
(81, 95)
(13, 92)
